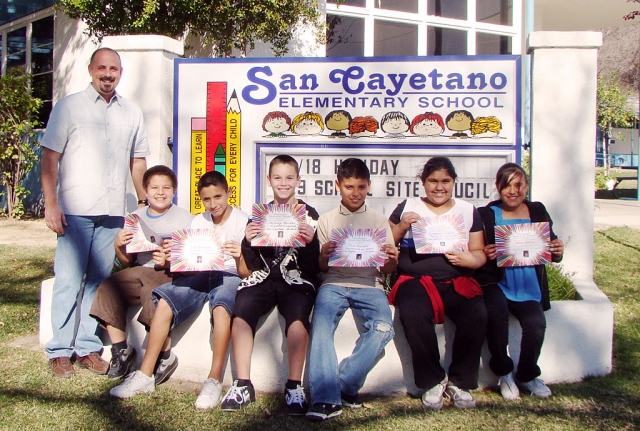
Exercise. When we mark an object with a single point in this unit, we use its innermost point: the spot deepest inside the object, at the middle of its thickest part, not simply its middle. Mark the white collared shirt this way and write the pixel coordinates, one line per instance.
(96, 140)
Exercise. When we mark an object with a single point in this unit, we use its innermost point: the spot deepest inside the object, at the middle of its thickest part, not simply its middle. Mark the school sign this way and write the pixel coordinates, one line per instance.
(235, 115)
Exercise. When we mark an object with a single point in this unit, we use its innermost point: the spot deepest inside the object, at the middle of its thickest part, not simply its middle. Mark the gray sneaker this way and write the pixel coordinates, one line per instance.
(134, 384)
(165, 368)
(536, 388)
(461, 398)
(121, 362)
(508, 387)
(432, 399)
(209, 395)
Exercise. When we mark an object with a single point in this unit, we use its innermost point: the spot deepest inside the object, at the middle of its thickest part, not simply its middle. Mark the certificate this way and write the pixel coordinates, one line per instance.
(358, 248)
(144, 239)
(279, 225)
(197, 250)
(523, 244)
(440, 234)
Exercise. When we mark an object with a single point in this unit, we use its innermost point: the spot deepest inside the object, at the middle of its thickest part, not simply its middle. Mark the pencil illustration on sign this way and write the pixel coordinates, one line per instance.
(234, 124)
(216, 121)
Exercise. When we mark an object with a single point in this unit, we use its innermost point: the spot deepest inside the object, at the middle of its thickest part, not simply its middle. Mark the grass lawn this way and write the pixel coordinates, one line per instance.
(31, 399)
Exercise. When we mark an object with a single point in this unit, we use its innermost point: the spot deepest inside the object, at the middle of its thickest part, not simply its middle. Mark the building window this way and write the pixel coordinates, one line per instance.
(487, 44)
(423, 27)
(495, 11)
(29, 48)
(446, 41)
(398, 5)
(394, 38)
(345, 36)
(456, 9)
(42, 64)
(17, 49)
(11, 10)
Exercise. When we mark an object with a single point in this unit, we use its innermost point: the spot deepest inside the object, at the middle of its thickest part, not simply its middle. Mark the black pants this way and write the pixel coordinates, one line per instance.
(533, 323)
(416, 315)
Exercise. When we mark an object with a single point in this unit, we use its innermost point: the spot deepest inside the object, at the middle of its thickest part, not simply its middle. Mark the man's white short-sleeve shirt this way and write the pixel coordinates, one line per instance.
(96, 140)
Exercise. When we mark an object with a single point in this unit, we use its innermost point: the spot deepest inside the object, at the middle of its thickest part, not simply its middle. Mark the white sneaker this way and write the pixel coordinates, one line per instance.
(209, 395)
(508, 387)
(461, 398)
(536, 388)
(432, 399)
(134, 384)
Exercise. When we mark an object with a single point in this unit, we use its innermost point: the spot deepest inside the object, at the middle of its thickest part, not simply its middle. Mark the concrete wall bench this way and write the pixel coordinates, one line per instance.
(578, 344)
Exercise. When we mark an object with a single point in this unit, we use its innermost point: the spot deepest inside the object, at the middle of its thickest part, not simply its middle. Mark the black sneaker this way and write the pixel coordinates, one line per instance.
(296, 401)
(164, 368)
(237, 397)
(323, 411)
(121, 362)
(351, 401)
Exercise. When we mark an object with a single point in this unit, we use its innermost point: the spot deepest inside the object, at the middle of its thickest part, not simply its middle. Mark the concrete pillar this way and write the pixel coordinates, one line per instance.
(147, 79)
(563, 133)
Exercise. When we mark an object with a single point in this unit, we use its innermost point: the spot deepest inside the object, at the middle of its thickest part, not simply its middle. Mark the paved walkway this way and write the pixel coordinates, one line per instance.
(610, 212)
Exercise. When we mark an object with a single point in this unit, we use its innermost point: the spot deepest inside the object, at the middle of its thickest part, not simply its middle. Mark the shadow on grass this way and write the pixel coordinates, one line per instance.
(599, 406)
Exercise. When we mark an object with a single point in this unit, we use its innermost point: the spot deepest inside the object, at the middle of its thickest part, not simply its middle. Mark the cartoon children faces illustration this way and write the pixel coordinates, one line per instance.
(276, 123)
(486, 127)
(395, 124)
(459, 121)
(338, 120)
(363, 127)
(428, 124)
(307, 124)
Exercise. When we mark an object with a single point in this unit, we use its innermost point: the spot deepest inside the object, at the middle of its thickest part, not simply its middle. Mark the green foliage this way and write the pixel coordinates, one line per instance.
(227, 24)
(602, 179)
(18, 118)
(560, 286)
(611, 111)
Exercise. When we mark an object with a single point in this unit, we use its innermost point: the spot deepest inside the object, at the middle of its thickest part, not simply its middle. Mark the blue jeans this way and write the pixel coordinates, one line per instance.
(84, 254)
(186, 295)
(326, 378)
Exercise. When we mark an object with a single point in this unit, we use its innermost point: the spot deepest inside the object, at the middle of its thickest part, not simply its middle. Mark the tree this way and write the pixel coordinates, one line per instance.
(611, 111)
(227, 24)
(632, 14)
(18, 118)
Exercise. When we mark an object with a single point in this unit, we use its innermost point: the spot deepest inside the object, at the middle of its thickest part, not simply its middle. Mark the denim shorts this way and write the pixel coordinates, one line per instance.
(187, 294)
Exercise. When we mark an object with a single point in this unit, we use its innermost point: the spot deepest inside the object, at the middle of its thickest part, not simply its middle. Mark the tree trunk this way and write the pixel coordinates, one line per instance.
(605, 150)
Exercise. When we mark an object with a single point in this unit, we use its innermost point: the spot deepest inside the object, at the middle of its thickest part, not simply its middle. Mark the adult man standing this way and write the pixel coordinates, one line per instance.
(92, 139)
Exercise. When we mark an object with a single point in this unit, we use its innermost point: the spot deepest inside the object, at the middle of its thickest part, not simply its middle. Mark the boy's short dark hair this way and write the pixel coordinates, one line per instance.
(353, 168)
(212, 178)
(159, 170)
(284, 159)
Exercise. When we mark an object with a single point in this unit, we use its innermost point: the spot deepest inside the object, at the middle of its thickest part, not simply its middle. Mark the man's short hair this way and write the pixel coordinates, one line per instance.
(159, 170)
(284, 159)
(104, 49)
(353, 168)
(212, 178)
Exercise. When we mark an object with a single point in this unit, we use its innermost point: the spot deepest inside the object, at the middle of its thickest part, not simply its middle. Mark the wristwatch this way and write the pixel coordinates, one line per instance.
(143, 201)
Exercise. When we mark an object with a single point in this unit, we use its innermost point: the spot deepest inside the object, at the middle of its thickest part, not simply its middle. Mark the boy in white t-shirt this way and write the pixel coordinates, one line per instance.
(179, 300)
